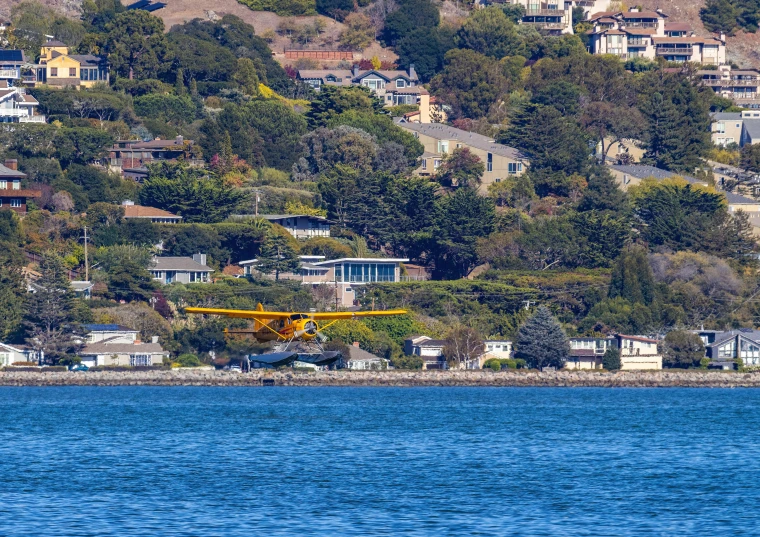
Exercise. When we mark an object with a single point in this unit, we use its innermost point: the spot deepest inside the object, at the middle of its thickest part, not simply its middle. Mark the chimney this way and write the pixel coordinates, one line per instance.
(11, 164)
(659, 10)
(722, 37)
(127, 203)
(356, 70)
(356, 344)
(412, 72)
(199, 258)
(154, 339)
(180, 139)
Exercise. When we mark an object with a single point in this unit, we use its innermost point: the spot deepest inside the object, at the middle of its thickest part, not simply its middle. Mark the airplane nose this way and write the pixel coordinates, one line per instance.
(310, 328)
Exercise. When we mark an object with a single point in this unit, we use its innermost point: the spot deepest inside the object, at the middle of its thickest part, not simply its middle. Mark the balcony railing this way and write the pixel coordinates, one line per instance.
(9, 73)
(32, 119)
(629, 24)
(545, 12)
(13, 112)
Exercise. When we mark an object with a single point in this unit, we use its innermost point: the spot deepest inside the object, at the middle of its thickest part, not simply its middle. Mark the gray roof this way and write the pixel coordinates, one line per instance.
(360, 355)
(284, 216)
(728, 116)
(752, 128)
(108, 328)
(444, 132)
(122, 348)
(81, 285)
(88, 59)
(642, 172)
(187, 264)
(722, 337)
(5, 171)
(739, 199)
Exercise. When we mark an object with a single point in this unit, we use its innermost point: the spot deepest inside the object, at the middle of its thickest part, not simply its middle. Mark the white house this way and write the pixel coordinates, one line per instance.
(9, 354)
(123, 354)
(181, 269)
(587, 352)
(110, 333)
(361, 360)
(637, 352)
(427, 348)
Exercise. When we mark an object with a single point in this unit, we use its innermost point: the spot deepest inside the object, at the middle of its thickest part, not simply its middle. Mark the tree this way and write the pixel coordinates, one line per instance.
(425, 49)
(137, 46)
(611, 359)
(358, 32)
(750, 158)
(720, 16)
(470, 83)
(277, 255)
(490, 32)
(632, 277)
(337, 9)
(541, 342)
(332, 101)
(202, 60)
(49, 319)
(462, 168)
(12, 289)
(682, 349)
(463, 346)
(246, 76)
(411, 16)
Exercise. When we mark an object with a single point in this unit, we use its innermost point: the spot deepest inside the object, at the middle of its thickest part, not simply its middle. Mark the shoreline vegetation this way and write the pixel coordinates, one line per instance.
(473, 378)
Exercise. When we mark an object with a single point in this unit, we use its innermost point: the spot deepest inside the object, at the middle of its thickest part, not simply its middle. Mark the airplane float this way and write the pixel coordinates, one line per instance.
(287, 328)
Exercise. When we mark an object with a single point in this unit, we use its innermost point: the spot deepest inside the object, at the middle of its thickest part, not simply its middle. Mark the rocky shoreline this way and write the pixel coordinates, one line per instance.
(484, 378)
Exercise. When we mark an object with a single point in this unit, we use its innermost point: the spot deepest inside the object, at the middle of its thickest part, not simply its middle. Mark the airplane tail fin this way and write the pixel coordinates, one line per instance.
(256, 324)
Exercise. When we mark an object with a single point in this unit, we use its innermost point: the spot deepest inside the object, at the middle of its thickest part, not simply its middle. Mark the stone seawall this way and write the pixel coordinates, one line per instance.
(188, 377)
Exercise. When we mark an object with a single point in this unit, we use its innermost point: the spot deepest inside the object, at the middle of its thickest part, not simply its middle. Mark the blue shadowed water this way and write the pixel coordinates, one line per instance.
(378, 461)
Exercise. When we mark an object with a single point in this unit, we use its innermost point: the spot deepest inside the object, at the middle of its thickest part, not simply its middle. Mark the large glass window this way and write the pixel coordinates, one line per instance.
(139, 359)
(749, 350)
(727, 350)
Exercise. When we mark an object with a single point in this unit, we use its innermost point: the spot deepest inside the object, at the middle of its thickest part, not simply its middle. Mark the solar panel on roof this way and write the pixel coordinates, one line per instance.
(11, 56)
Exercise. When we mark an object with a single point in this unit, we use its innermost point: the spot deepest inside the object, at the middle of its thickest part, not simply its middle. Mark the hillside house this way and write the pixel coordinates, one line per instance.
(110, 333)
(169, 270)
(631, 175)
(58, 68)
(346, 275)
(12, 196)
(727, 128)
(649, 34)
(500, 161)
(157, 216)
(740, 85)
(136, 154)
(13, 66)
(301, 226)
(16, 106)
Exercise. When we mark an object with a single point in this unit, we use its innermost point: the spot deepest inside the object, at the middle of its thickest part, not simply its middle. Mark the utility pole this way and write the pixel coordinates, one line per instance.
(258, 199)
(86, 259)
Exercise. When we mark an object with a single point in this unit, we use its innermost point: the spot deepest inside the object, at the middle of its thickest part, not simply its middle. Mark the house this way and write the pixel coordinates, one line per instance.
(549, 17)
(123, 354)
(137, 154)
(727, 128)
(637, 352)
(361, 360)
(743, 343)
(10, 354)
(58, 68)
(587, 352)
(500, 161)
(181, 269)
(13, 63)
(301, 226)
(346, 275)
(157, 216)
(427, 348)
(630, 175)
(749, 206)
(82, 289)
(740, 85)
(110, 333)
(16, 106)
(649, 34)
(12, 196)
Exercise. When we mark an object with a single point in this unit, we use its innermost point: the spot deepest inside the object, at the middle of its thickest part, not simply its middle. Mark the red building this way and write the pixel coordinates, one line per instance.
(12, 196)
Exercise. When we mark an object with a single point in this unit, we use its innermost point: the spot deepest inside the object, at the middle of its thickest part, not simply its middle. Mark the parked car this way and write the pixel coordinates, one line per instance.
(79, 367)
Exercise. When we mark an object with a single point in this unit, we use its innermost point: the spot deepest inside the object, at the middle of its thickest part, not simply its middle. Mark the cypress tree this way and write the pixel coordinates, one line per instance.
(632, 277)
(541, 342)
(611, 359)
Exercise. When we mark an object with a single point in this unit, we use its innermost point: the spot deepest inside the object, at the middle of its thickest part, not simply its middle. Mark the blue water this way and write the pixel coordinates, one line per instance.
(378, 461)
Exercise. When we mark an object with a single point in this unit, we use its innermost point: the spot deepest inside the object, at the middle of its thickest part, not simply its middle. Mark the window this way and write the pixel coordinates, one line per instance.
(53, 71)
(443, 146)
(72, 71)
(139, 359)
(338, 273)
(400, 83)
(424, 164)
(16, 184)
(738, 125)
(3, 184)
(720, 127)
(16, 203)
(436, 163)
(514, 167)
(727, 350)
(497, 180)
(489, 163)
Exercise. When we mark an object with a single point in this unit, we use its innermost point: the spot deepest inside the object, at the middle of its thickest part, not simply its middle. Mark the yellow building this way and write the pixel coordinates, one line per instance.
(59, 68)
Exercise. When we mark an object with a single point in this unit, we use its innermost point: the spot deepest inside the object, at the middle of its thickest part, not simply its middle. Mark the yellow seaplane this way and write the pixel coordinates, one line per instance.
(287, 328)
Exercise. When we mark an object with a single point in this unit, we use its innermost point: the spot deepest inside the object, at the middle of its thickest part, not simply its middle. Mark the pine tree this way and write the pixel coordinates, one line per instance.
(277, 255)
(541, 342)
(49, 318)
(179, 83)
(632, 277)
(611, 359)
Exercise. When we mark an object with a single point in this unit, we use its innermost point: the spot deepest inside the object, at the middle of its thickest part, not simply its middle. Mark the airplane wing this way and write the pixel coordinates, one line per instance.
(258, 314)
